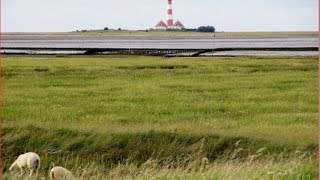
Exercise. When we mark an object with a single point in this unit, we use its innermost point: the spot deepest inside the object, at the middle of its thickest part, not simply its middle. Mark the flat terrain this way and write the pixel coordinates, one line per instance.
(124, 33)
(139, 117)
(163, 40)
(64, 42)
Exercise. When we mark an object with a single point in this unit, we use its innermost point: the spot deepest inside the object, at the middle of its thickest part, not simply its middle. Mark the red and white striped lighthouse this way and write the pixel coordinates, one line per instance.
(169, 14)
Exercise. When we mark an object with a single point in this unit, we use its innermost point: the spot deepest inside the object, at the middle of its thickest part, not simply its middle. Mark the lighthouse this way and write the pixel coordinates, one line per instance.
(169, 25)
(169, 14)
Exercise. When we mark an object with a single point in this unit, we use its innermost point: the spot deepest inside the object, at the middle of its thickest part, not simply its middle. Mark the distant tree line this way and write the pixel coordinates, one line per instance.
(107, 29)
(206, 29)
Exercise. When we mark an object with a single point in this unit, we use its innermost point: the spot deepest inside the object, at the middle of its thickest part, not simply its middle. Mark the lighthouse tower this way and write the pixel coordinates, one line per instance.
(169, 14)
(169, 25)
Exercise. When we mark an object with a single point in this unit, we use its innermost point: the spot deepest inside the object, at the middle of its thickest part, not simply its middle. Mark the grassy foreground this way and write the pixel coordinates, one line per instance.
(143, 117)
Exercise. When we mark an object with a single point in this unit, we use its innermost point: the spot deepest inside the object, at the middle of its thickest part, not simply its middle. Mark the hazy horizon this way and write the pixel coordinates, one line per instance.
(229, 16)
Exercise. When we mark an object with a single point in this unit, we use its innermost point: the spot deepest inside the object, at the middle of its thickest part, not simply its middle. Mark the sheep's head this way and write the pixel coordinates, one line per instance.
(13, 167)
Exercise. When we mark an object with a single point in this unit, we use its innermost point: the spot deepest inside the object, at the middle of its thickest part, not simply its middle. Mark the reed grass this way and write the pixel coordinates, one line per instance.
(150, 117)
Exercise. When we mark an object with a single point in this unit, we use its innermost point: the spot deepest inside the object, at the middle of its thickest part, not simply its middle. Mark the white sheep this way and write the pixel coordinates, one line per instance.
(58, 172)
(30, 160)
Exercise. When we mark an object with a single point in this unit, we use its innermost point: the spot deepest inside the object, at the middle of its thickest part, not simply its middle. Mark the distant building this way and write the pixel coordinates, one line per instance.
(161, 26)
(178, 25)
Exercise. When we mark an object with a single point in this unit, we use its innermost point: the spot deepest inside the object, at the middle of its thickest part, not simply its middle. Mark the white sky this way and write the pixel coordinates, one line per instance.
(226, 15)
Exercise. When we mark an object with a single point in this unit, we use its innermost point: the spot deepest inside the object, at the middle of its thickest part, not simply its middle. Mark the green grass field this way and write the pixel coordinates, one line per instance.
(197, 34)
(142, 117)
(133, 33)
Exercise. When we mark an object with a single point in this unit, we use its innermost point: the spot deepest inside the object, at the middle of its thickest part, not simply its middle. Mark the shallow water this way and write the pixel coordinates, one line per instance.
(160, 44)
(227, 53)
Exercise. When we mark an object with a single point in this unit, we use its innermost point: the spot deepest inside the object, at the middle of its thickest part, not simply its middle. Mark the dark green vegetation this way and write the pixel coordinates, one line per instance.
(206, 29)
(121, 116)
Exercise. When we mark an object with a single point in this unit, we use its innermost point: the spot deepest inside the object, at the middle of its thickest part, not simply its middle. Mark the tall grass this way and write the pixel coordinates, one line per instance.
(114, 115)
